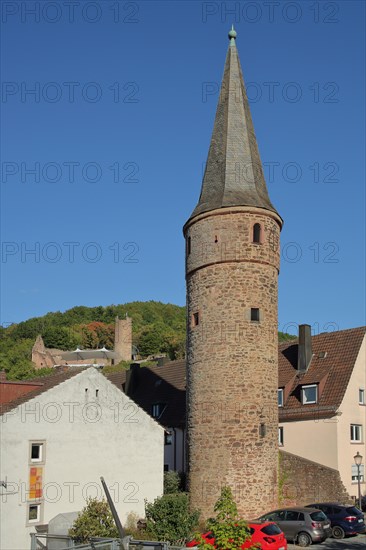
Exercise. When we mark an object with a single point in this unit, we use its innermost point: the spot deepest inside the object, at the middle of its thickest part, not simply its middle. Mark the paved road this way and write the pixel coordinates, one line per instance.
(351, 543)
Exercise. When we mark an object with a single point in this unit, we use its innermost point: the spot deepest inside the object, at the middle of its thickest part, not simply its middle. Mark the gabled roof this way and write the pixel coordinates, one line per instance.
(334, 356)
(42, 384)
(151, 385)
(234, 173)
(167, 384)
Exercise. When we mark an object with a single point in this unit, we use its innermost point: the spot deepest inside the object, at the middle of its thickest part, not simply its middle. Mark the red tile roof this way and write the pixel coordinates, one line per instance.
(331, 373)
(42, 384)
(167, 383)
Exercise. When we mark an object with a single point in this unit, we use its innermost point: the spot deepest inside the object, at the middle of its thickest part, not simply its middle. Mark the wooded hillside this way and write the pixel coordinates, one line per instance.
(156, 328)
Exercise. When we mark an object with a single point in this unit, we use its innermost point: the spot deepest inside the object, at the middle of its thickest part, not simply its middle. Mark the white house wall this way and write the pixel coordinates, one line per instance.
(86, 436)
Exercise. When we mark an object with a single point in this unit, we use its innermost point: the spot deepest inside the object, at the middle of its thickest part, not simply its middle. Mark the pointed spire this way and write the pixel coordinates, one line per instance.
(234, 174)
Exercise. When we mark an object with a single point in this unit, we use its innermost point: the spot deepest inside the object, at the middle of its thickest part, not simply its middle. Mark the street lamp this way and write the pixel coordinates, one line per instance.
(358, 461)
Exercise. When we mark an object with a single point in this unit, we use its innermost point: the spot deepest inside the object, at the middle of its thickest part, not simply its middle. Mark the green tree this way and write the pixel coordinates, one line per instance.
(151, 340)
(95, 520)
(229, 530)
(168, 518)
(15, 358)
(60, 338)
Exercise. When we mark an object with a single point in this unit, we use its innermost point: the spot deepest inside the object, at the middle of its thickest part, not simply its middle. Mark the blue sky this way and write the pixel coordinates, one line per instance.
(102, 163)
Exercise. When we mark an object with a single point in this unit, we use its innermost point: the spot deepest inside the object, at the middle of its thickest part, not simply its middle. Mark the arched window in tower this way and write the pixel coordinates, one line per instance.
(257, 233)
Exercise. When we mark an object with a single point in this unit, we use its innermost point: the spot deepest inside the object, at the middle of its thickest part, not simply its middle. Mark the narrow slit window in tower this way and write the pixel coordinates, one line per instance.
(188, 245)
(257, 230)
(195, 319)
(254, 314)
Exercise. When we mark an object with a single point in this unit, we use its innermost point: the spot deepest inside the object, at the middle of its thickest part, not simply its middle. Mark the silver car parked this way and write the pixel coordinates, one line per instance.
(301, 525)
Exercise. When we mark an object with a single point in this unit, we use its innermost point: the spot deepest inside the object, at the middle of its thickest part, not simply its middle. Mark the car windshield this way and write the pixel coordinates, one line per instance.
(271, 529)
(318, 516)
(353, 510)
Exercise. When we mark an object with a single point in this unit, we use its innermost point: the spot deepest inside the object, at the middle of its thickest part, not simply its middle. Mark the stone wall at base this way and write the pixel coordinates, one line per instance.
(303, 481)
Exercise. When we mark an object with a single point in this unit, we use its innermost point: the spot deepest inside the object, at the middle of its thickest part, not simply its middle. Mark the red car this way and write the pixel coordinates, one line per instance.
(266, 535)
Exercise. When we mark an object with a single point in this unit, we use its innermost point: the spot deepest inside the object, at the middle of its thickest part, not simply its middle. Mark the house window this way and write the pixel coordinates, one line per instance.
(254, 314)
(195, 319)
(257, 233)
(166, 467)
(361, 396)
(157, 409)
(168, 438)
(309, 394)
(355, 473)
(280, 397)
(36, 452)
(280, 436)
(34, 513)
(356, 433)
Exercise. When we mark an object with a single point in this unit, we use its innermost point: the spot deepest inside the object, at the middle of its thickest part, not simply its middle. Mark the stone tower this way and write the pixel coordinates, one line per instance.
(232, 265)
(123, 339)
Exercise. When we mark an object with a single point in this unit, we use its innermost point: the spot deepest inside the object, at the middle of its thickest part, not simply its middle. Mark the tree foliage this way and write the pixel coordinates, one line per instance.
(229, 530)
(168, 518)
(172, 482)
(95, 520)
(15, 359)
(60, 337)
(156, 328)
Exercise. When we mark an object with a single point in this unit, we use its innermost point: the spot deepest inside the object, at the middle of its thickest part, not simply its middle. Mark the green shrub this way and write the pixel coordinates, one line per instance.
(229, 530)
(168, 518)
(95, 520)
(173, 482)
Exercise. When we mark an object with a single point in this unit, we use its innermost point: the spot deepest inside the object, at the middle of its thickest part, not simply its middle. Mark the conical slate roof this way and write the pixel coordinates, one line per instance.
(234, 174)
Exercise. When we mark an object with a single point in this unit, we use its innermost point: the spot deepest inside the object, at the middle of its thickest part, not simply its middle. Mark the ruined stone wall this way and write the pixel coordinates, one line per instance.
(41, 357)
(232, 361)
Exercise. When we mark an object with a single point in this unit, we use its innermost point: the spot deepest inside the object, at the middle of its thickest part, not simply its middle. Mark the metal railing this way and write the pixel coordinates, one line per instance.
(63, 542)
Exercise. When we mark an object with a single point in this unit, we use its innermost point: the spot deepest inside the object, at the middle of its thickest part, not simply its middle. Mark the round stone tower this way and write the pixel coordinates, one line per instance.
(232, 265)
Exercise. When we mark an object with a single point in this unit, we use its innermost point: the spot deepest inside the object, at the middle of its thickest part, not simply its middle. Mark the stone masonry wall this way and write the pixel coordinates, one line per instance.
(302, 481)
(123, 339)
(232, 369)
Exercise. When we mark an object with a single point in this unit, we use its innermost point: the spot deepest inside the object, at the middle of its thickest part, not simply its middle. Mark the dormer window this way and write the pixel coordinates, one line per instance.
(257, 233)
(280, 397)
(168, 438)
(309, 394)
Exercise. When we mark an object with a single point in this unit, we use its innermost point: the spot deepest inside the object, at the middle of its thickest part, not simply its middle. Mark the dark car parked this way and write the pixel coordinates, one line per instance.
(301, 525)
(345, 520)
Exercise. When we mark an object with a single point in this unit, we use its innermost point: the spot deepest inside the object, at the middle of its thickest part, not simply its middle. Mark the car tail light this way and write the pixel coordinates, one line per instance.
(269, 539)
(316, 524)
(350, 518)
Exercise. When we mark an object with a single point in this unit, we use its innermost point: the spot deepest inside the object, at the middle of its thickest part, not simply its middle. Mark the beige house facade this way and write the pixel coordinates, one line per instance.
(330, 430)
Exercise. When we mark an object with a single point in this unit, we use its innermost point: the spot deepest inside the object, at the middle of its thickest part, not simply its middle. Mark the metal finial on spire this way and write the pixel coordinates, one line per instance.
(232, 35)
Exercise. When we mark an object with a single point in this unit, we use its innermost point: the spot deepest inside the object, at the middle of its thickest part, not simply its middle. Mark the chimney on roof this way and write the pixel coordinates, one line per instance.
(132, 377)
(305, 352)
(3, 376)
